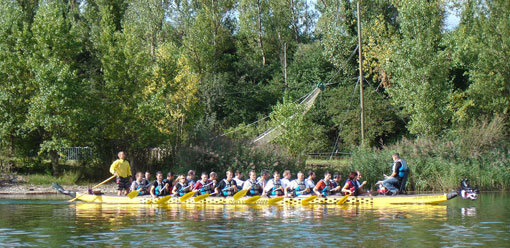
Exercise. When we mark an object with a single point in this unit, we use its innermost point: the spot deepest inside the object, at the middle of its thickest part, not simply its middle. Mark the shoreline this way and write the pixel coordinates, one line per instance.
(31, 189)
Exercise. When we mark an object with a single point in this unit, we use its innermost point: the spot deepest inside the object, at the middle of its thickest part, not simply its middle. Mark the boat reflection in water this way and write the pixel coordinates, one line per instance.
(118, 214)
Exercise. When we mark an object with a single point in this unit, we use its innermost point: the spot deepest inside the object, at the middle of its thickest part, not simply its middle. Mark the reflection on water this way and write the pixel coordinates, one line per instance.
(54, 223)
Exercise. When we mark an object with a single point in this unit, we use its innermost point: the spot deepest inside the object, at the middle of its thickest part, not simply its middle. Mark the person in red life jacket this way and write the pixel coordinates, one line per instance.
(169, 182)
(158, 187)
(324, 186)
(253, 186)
(227, 186)
(204, 186)
(274, 186)
(182, 186)
(351, 187)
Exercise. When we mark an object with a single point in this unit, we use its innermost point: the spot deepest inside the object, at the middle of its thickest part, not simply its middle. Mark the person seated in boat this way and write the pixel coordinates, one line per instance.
(227, 186)
(138, 184)
(122, 170)
(264, 178)
(169, 182)
(204, 186)
(298, 187)
(213, 178)
(191, 177)
(351, 186)
(158, 187)
(239, 178)
(182, 186)
(324, 186)
(337, 187)
(286, 179)
(253, 186)
(360, 184)
(310, 183)
(274, 186)
(392, 182)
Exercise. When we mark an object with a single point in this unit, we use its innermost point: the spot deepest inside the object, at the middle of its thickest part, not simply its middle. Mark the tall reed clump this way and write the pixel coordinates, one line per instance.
(479, 152)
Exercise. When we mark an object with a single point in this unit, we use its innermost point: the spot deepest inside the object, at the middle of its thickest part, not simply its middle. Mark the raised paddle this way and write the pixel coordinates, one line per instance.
(240, 194)
(105, 181)
(252, 199)
(201, 197)
(186, 196)
(275, 200)
(342, 200)
(308, 199)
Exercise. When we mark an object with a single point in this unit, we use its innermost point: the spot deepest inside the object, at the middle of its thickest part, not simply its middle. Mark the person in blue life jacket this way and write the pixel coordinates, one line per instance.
(253, 186)
(191, 178)
(138, 184)
(158, 187)
(274, 186)
(169, 182)
(298, 187)
(324, 186)
(204, 186)
(182, 186)
(392, 182)
(227, 186)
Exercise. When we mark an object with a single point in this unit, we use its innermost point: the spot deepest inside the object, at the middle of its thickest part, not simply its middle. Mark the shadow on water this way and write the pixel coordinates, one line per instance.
(54, 222)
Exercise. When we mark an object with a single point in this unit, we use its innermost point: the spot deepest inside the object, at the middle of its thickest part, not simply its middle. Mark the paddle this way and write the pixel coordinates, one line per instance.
(240, 194)
(252, 199)
(133, 194)
(308, 199)
(275, 200)
(342, 200)
(163, 199)
(105, 181)
(186, 196)
(201, 197)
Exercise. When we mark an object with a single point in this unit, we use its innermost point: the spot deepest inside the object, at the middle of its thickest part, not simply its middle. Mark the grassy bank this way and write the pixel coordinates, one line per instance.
(68, 178)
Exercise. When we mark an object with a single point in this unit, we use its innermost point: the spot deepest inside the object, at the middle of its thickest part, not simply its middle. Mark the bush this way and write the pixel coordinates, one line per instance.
(68, 178)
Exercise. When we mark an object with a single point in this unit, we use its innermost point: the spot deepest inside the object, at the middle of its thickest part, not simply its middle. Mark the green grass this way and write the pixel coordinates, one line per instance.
(333, 164)
(68, 178)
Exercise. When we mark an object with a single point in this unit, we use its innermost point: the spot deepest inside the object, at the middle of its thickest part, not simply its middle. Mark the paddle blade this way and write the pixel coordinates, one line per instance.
(252, 199)
(201, 197)
(275, 200)
(163, 199)
(342, 200)
(186, 196)
(308, 199)
(133, 194)
(240, 194)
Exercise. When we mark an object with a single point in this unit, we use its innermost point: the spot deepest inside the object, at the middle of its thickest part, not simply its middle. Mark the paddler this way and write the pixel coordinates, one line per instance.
(324, 186)
(191, 178)
(253, 187)
(351, 186)
(182, 186)
(274, 187)
(158, 186)
(227, 186)
(239, 178)
(298, 186)
(122, 170)
(204, 186)
(337, 178)
(138, 184)
(310, 183)
(169, 182)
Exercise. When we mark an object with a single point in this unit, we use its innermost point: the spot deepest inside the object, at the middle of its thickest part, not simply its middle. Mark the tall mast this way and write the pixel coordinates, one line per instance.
(362, 95)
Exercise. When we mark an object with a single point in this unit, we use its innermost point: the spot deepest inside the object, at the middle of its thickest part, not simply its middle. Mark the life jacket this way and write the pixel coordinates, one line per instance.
(327, 188)
(170, 184)
(183, 189)
(276, 188)
(255, 189)
(206, 188)
(228, 190)
(159, 189)
(301, 187)
(353, 186)
(334, 184)
(403, 168)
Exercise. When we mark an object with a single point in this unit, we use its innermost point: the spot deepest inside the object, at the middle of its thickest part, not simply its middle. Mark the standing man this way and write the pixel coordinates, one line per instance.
(122, 170)
(393, 181)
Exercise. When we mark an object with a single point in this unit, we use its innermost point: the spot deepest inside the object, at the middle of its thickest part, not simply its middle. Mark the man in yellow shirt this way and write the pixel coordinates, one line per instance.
(122, 170)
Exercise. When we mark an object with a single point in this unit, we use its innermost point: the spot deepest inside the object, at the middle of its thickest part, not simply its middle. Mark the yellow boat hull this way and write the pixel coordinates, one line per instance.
(352, 200)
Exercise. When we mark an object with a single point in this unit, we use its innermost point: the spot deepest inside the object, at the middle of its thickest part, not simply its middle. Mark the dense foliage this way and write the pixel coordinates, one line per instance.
(137, 75)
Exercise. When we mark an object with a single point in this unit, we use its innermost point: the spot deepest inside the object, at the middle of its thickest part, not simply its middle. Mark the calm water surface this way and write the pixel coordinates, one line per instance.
(56, 223)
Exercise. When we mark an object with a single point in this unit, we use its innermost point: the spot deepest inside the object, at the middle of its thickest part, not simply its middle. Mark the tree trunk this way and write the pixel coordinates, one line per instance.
(259, 23)
(54, 162)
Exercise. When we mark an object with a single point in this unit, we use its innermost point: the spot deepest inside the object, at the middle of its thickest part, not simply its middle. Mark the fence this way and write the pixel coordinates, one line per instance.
(328, 155)
(76, 153)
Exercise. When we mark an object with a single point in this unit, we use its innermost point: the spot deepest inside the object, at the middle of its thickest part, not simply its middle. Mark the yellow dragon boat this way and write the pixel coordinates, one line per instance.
(380, 200)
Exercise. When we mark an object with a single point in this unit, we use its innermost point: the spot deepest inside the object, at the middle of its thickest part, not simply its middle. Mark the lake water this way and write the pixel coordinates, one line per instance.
(55, 223)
